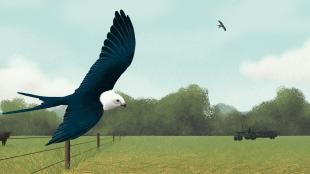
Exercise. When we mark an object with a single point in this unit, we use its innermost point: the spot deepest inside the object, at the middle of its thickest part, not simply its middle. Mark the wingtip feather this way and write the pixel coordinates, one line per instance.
(122, 13)
(51, 141)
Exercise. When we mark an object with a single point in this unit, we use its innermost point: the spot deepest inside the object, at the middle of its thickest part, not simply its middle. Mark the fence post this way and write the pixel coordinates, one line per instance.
(98, 140)
(67, 154)
(113, 138)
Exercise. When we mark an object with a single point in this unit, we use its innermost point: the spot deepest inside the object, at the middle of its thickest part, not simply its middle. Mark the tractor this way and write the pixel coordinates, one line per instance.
(252, 135)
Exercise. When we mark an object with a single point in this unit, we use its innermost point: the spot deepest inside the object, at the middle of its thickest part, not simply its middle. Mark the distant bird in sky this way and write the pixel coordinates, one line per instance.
(84, 107)
(221, 25)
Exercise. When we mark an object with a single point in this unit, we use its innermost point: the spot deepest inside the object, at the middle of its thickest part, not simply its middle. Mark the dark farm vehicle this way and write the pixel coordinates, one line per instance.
(4, 137)
(252, 135)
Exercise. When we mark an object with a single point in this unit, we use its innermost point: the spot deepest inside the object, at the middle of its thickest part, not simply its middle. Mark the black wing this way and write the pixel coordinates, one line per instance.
(77, 121)
(221, 23)
(116, 55)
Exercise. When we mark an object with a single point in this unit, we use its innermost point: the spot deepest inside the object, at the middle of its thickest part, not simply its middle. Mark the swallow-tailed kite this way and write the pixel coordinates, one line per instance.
(84, 107)
(221, 25)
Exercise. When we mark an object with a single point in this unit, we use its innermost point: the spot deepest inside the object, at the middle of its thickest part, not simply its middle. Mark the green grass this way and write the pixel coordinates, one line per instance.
(165, 155)
(201, 155)
(28, 164)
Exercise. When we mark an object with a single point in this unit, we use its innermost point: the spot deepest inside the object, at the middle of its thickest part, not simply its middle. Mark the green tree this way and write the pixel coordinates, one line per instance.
(41, 122)
(285, 113)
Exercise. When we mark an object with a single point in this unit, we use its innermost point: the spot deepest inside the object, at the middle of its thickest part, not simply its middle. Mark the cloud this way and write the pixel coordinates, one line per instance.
(23, 75)
(291, 66)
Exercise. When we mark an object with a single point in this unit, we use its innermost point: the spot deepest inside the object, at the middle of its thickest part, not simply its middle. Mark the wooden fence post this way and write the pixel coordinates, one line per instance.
(67, 154)
(98, 140)
(113, 138)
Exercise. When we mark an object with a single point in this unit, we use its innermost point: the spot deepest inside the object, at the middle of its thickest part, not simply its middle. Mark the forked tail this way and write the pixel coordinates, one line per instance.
(47, 102)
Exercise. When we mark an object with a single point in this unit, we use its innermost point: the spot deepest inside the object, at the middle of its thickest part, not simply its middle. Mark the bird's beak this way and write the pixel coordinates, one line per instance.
(124, 105)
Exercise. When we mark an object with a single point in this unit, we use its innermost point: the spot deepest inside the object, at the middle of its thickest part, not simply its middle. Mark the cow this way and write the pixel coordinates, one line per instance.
(4, 137)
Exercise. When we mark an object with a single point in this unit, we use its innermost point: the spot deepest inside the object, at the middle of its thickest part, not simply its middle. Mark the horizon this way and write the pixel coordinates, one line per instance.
(30, 100)
(178, 43)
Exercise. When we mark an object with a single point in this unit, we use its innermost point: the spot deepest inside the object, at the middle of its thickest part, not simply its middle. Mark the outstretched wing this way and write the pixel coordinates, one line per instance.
(116, 55)
(77, 121)
(221, 23)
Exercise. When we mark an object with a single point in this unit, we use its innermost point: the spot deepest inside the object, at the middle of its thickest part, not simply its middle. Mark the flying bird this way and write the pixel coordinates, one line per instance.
(84, 108)
(221, 25)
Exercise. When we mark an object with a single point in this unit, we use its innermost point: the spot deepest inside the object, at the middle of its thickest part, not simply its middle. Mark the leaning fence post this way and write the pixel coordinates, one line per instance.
(67, 154)
(98, 140)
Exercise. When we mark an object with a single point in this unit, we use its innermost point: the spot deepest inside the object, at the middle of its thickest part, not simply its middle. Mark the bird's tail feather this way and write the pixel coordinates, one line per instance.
(47, 102)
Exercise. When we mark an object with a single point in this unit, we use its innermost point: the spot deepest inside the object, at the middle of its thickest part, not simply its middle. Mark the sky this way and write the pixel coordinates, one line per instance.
(46, 47)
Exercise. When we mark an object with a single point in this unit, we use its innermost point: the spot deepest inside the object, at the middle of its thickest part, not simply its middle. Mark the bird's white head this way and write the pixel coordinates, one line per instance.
(111, 100)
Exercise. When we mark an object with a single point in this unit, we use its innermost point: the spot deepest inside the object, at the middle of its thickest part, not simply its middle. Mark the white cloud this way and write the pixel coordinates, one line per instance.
(291, 66)
(25, 76)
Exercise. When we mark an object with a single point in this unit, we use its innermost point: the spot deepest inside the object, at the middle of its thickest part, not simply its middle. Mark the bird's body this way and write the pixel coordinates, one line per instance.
(80, 116)
(84, 107)
(221, 25)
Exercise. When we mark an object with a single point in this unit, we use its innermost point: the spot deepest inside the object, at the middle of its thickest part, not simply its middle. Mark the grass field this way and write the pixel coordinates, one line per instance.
(169, 155)
(201, 155)
(28, 164)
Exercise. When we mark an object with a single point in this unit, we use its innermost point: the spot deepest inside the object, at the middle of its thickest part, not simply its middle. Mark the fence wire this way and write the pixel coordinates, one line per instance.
(18, 138)
(82, 143)
(48, 166)
(26, 154)
(83, 152)
(41, 151)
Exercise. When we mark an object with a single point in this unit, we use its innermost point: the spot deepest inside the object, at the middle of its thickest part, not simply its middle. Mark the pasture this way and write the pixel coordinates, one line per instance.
(30, 163)
(171, 154)
(201, 155)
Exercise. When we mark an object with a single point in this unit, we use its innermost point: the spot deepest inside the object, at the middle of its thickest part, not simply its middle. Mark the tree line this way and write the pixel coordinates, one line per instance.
(185, 112)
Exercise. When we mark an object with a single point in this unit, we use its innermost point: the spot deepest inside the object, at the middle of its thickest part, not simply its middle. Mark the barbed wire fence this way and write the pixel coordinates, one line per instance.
(66, 147)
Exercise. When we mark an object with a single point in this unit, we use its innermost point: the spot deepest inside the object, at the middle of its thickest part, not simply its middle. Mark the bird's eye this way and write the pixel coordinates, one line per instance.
(117, 100)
